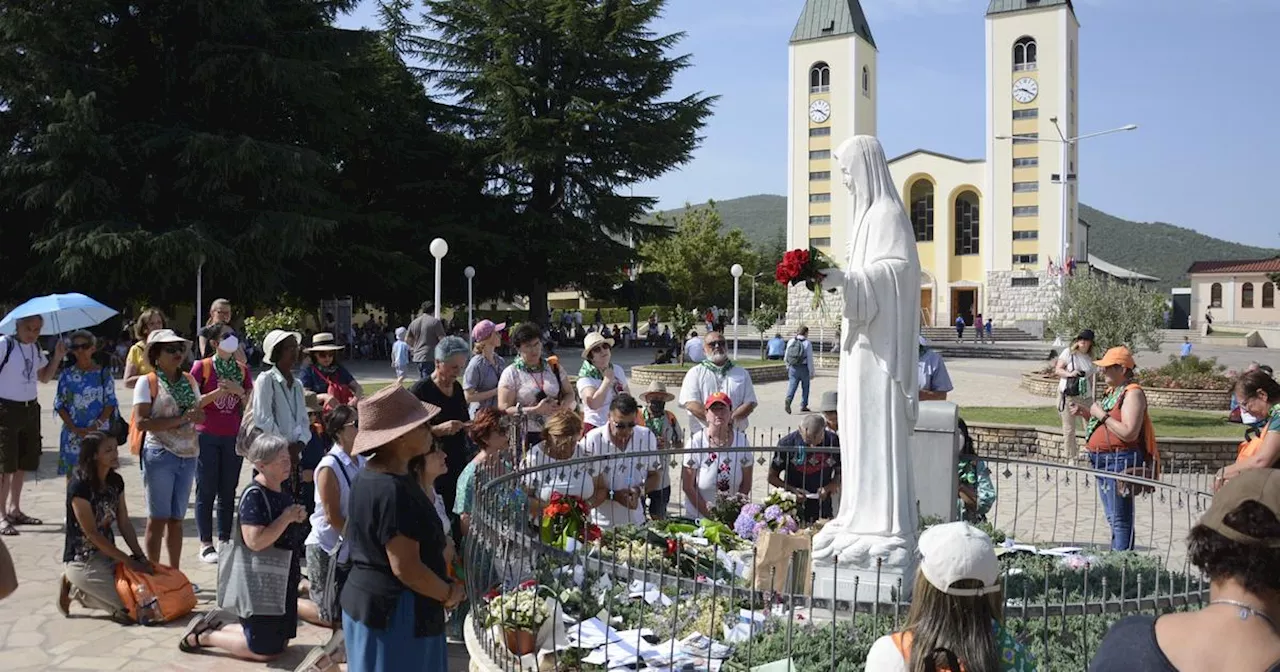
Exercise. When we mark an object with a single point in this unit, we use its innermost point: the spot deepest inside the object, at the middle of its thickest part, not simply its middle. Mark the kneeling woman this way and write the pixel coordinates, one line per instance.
(269, 518)
(95, 503)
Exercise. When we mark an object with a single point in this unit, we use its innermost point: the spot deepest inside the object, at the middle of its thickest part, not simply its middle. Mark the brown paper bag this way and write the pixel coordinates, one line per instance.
(784, 558)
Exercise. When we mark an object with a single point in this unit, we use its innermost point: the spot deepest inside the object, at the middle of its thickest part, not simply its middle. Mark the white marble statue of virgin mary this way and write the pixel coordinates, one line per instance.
(878, 383)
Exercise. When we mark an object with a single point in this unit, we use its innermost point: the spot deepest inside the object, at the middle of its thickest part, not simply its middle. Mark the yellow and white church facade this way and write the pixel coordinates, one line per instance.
(990, 232)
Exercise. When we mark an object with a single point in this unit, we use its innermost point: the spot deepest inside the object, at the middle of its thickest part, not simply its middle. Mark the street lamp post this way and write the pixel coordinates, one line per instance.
(470, 272)
(1063, 178)
(438, 248)
(199, 287)
(736, 272)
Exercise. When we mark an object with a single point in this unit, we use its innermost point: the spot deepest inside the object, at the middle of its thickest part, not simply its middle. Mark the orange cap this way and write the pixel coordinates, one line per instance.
(1118, 355)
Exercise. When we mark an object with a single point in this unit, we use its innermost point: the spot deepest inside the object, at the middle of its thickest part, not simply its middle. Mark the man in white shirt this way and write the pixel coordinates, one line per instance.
(622, 476)
(693, 351)
(22, 364)
(717, 373)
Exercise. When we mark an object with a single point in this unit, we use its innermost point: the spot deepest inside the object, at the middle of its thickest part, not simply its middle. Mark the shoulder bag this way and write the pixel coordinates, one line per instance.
(253, 583)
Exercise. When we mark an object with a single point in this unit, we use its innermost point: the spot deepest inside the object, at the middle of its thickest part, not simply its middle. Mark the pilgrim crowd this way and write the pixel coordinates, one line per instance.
(360, 504)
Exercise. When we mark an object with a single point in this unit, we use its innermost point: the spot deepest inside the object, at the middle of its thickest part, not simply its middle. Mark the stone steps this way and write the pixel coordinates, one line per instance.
(945, 334)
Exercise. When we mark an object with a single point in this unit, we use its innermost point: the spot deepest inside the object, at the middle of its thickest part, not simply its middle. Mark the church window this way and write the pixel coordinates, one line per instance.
(1026, 211)
(866, 81)
(1026, 258)
(967, 223)
(1024, 187)
(819, 154)
(820, 132)
(1026, 138)
(1025, 282)
(1029, 113)
(1246, 295)
(1268, 295)
(818, 175)
(820, 198)
(1215, 295)
(922, 210)
(1026, 162)
(819, 220)
(819, 78)
(1024, 54)
(820, 242)
(1026, 235)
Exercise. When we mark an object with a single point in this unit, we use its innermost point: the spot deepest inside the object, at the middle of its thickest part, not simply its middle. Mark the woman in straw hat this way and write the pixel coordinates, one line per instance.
(278, 404)
(1120, 439)
(326, 376)
(664, 425)
(956, 609)
(599, 380)
(394, 599)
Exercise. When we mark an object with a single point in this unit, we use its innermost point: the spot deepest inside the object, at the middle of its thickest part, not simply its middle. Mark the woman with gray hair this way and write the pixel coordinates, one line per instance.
(269, 518)
(443, 390)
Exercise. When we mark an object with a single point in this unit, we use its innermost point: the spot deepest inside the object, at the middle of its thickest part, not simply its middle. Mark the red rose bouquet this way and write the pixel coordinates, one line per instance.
(564, 518)
(804, 266)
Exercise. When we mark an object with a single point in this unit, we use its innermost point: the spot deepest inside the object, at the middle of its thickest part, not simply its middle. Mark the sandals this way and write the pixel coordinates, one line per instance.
(6, 528)
(21, 518)
(206, 622)
(326, 658)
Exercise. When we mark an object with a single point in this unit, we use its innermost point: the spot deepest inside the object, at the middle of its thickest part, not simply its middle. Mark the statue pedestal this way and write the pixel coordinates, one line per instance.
(850, 584)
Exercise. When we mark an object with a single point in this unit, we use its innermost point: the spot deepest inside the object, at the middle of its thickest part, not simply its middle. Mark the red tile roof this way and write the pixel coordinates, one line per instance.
(1271, 265)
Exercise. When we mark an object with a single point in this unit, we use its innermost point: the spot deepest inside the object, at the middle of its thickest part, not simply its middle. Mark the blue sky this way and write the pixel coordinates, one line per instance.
(1195, 75)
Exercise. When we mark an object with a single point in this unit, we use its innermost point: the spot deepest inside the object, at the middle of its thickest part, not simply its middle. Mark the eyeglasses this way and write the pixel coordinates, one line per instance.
(624, 425)
(172, 349)
(81, 346)
(715, 345)
(353, 423)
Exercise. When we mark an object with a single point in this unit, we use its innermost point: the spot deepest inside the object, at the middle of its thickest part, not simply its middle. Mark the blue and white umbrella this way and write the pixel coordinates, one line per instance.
(61, 313)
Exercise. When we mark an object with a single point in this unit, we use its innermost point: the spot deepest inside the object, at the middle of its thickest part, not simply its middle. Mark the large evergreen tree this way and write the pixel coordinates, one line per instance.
(570, 99)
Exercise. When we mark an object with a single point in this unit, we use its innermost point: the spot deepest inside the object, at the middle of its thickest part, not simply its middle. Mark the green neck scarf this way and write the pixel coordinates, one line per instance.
(589, 370)
(181, 391)
(1108, 403)
(521, 366)
(228, 369)
(718, 370)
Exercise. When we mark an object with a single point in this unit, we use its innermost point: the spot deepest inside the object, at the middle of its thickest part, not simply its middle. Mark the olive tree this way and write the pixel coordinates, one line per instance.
(1117, 312)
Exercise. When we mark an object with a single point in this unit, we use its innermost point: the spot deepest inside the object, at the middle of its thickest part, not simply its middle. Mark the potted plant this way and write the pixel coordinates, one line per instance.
(520, 613)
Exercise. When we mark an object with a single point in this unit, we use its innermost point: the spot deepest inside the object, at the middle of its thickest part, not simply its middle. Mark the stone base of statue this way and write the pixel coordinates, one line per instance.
(851, 567)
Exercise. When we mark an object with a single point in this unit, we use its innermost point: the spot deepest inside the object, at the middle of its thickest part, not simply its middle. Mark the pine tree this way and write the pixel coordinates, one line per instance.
(570, 102)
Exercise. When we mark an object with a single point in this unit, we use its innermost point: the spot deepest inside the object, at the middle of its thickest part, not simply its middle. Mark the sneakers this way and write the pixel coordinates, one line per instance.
(786, 405)
(209, 555)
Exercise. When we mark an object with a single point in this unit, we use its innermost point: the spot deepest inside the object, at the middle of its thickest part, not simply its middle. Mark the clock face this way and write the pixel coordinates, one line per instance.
(819, 111)
(1025, 90)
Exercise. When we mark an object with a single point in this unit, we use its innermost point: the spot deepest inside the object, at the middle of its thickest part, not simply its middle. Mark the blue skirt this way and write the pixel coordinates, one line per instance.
(394, 649)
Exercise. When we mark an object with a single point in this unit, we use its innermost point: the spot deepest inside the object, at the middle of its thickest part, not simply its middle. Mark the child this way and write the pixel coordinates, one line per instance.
(400, 353)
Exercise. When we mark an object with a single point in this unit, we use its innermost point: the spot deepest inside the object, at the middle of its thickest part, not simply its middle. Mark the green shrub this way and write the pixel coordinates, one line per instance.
(288, 319)
(1189, 373)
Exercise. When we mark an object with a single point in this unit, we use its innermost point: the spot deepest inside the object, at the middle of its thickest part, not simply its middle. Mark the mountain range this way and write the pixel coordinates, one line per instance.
(1157, 249)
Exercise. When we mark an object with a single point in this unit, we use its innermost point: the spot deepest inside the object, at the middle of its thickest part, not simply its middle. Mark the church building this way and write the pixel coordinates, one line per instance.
(992, 233)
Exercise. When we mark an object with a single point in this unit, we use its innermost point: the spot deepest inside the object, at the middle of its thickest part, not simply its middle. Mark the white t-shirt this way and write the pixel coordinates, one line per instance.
(566, 480)
(885, 657)
(599, 416)
(19, 378)
(344, 468)
(625, 471)
(694, 350)
(716, 471)
(701, 381)
(1077, 361)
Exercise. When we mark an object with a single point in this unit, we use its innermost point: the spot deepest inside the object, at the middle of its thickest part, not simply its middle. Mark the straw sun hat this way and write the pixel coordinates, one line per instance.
(324, 342)
(387, 415)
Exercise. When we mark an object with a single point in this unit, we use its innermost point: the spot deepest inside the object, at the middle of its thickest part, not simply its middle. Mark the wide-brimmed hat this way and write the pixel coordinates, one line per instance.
(484, 329)
(592, 340)
(274, 338)
(1252, 485)
(324, 342)
(829, 402)
(312, 400)
(387, 415)
(657, 389)
(953, 552)
(718, 398)
(1118, 355)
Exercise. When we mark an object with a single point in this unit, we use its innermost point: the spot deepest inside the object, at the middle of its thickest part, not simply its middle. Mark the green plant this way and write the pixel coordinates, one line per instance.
(1118, 313)
(520, 609)
(1188, 373)
(287, 319)
(682, 320)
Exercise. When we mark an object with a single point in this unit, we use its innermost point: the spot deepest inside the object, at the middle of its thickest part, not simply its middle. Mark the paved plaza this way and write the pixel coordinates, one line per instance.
(1057, 507)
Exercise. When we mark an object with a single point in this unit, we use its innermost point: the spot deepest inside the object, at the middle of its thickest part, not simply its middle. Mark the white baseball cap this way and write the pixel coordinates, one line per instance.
(953, 552)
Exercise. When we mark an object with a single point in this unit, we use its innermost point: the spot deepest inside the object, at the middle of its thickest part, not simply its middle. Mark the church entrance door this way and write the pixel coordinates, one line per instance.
(962, 303)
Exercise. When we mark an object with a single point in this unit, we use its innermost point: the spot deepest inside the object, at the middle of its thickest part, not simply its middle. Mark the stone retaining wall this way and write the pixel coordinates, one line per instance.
(1045, 443)
(642, 375)
(1196, 400)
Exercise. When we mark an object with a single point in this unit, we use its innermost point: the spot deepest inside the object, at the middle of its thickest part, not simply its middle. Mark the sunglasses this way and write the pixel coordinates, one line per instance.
(81, 346)
(624, 425)
(172, 349)
(602, 346)
(353, 423)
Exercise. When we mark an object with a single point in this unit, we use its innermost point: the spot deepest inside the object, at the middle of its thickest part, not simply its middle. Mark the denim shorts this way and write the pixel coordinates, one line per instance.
(167, 480)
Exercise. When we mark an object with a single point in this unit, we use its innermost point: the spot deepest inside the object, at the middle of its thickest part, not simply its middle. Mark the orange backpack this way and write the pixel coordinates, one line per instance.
(136, 436)
(172, 595)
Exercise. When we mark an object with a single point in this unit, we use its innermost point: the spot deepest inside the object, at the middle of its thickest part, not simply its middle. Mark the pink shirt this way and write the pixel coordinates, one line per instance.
(222, 417)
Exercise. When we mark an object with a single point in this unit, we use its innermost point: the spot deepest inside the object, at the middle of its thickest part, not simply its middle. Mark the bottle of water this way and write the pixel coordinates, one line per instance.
(146, 605)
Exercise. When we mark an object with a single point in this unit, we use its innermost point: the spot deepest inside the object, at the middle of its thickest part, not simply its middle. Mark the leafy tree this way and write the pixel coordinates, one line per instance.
(696, 257)
(1118, 313)
(288, 319)
(570, 101)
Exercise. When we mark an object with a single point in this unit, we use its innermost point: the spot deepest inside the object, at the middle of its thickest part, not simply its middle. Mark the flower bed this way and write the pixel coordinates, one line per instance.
(1160, 397)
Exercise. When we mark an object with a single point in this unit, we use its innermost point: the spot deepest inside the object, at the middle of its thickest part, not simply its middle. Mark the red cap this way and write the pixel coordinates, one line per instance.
(718, 398)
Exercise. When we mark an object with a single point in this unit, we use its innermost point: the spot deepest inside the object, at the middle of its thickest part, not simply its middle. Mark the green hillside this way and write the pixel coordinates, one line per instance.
(1154, 248)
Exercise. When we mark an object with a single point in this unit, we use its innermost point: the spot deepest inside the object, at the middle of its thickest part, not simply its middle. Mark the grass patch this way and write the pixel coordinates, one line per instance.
(746, 364)
(370, 388)
(1168, 422)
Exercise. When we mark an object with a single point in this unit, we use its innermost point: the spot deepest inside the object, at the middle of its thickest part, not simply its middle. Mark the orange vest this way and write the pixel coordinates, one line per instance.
(902, 640)
(1250, 448)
